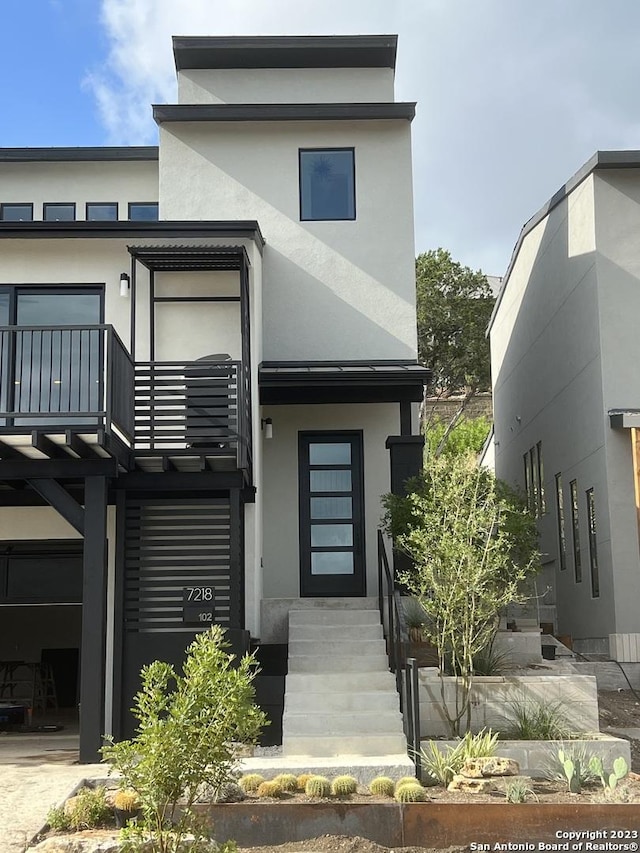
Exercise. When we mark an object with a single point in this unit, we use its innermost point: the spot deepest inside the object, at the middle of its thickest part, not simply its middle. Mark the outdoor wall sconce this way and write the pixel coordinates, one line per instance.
(266, 425)
(125, 283)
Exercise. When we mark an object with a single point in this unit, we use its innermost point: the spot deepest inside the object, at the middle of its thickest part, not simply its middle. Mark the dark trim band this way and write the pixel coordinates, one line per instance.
(163, 113)
(70, 155)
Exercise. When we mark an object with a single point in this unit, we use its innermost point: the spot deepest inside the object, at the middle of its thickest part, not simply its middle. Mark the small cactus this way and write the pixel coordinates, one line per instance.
(287, 781)
(382, 786)
(127, 800)
(411, 793)
(318, 786)
(251, 782)
(609, 780)
(269, 789)
(411, 780)
(303, 779)
(343, 786)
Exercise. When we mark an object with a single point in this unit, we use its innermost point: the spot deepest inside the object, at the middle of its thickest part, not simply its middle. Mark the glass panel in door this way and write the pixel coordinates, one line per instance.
(331, 515)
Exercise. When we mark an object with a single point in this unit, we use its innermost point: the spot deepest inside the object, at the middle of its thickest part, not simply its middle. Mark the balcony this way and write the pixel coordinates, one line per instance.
(69, 392)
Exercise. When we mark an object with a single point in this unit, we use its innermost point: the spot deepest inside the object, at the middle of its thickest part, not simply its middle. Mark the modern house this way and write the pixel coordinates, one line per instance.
(566, 397)
(208, 370)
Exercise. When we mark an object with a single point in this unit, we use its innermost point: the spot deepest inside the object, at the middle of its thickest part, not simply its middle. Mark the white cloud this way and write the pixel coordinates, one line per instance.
(513, 95)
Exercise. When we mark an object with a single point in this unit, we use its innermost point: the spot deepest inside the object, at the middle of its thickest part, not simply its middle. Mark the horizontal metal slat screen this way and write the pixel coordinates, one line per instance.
(171, 547)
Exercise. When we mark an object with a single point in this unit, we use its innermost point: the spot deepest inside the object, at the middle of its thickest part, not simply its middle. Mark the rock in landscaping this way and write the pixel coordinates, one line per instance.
(471, 786)
(478, 768)
(80, 842)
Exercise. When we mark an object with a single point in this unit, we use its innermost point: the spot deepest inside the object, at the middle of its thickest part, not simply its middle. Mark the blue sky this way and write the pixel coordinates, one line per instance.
(513, 95)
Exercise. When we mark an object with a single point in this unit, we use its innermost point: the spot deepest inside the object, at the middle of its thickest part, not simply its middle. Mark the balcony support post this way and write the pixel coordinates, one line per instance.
(94, 595)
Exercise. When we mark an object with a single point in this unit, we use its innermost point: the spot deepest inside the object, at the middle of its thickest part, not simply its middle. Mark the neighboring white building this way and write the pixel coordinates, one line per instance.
(207, 350)
(566, 395)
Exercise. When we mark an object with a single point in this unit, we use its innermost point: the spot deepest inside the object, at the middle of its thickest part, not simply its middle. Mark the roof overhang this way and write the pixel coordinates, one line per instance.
(88, 154)
(305, 382)
(174, 258)
(624, 418)
(163, 113)
(211, 52)
(181, 229)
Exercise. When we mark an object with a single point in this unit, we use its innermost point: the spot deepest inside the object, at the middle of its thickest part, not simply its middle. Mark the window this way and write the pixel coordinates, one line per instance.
(59, 212)
(562, 540)
(593, 545)
(577, 561)
(327, 183)
(143, 211)
(534, 480)
(102, 211)
(16, 212)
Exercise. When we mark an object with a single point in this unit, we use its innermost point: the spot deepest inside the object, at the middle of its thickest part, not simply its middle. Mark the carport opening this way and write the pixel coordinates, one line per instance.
(40, 633)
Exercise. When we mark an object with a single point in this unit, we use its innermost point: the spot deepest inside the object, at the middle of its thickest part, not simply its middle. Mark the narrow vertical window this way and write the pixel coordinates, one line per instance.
(535, 485)
(527, 480)
(562, 540)
(593, 545)
(577, 562)
(542, 508)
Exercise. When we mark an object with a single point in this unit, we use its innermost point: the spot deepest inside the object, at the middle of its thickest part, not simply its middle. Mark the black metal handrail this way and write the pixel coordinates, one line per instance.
(405, 669)
(67, 375)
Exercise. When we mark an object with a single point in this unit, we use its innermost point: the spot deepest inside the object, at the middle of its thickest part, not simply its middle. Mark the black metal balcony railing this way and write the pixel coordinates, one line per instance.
(65, 376)
(74, 376)
(198, 405)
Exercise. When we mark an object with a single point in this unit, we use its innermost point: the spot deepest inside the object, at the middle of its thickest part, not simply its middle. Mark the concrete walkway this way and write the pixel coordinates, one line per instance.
(37, 772)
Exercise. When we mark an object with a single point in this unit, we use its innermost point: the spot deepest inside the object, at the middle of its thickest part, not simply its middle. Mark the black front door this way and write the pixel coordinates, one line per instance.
(331, 514)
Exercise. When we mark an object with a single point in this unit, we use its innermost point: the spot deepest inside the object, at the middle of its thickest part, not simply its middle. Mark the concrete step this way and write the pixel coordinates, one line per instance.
(332, 663)
(338, 648)
(327, 682)
(343, 746)
(322, 633)
(333, 617)
(327, 724)
(350, 702)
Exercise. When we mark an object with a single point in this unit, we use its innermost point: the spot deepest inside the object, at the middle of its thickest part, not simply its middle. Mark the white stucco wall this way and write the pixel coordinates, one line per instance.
(547, 377)
(339, 290)
(284, 85)
(617, 195)
(102, 181)
(280, 493)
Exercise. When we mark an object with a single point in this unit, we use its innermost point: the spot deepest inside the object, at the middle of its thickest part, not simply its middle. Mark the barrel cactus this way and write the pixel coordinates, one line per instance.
(411, 793)
(382, 786)
(343, 786)
(318, 786)
(251, 782)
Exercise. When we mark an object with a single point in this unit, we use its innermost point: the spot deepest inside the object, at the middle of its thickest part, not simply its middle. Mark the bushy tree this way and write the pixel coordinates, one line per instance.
(454, 305)
(188, 729)
(469, 436)
(472, 543)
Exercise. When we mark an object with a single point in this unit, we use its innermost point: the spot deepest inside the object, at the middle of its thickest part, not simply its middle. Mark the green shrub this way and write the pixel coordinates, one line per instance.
(269, 789)
(318, 786)
(88, 809)
(57, 818)
(443, 765)
(410, 793)
(344, 786)
(188, 729)
(250, 782)
(536, 719)
(287, 782)
(382, 786)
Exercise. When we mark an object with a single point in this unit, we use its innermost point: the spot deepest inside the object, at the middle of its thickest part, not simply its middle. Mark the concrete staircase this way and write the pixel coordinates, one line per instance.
(340, 698)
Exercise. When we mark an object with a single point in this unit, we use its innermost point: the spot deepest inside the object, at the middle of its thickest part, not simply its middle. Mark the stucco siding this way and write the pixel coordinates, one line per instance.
(280, 492)
(285, 85)
(341, 290)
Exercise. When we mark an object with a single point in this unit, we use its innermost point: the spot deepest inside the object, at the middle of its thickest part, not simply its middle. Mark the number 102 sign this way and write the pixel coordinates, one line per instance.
(198, 605)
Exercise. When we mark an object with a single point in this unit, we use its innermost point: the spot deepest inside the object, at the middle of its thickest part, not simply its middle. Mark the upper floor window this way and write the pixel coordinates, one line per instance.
(59, 211)
(16, 212)
(534, 480)
(327, 183)
(575, 525)
(102, 211)
(143, 211)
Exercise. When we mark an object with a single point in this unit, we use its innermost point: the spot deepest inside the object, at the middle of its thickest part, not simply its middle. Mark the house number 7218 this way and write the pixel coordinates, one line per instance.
(199, 593)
